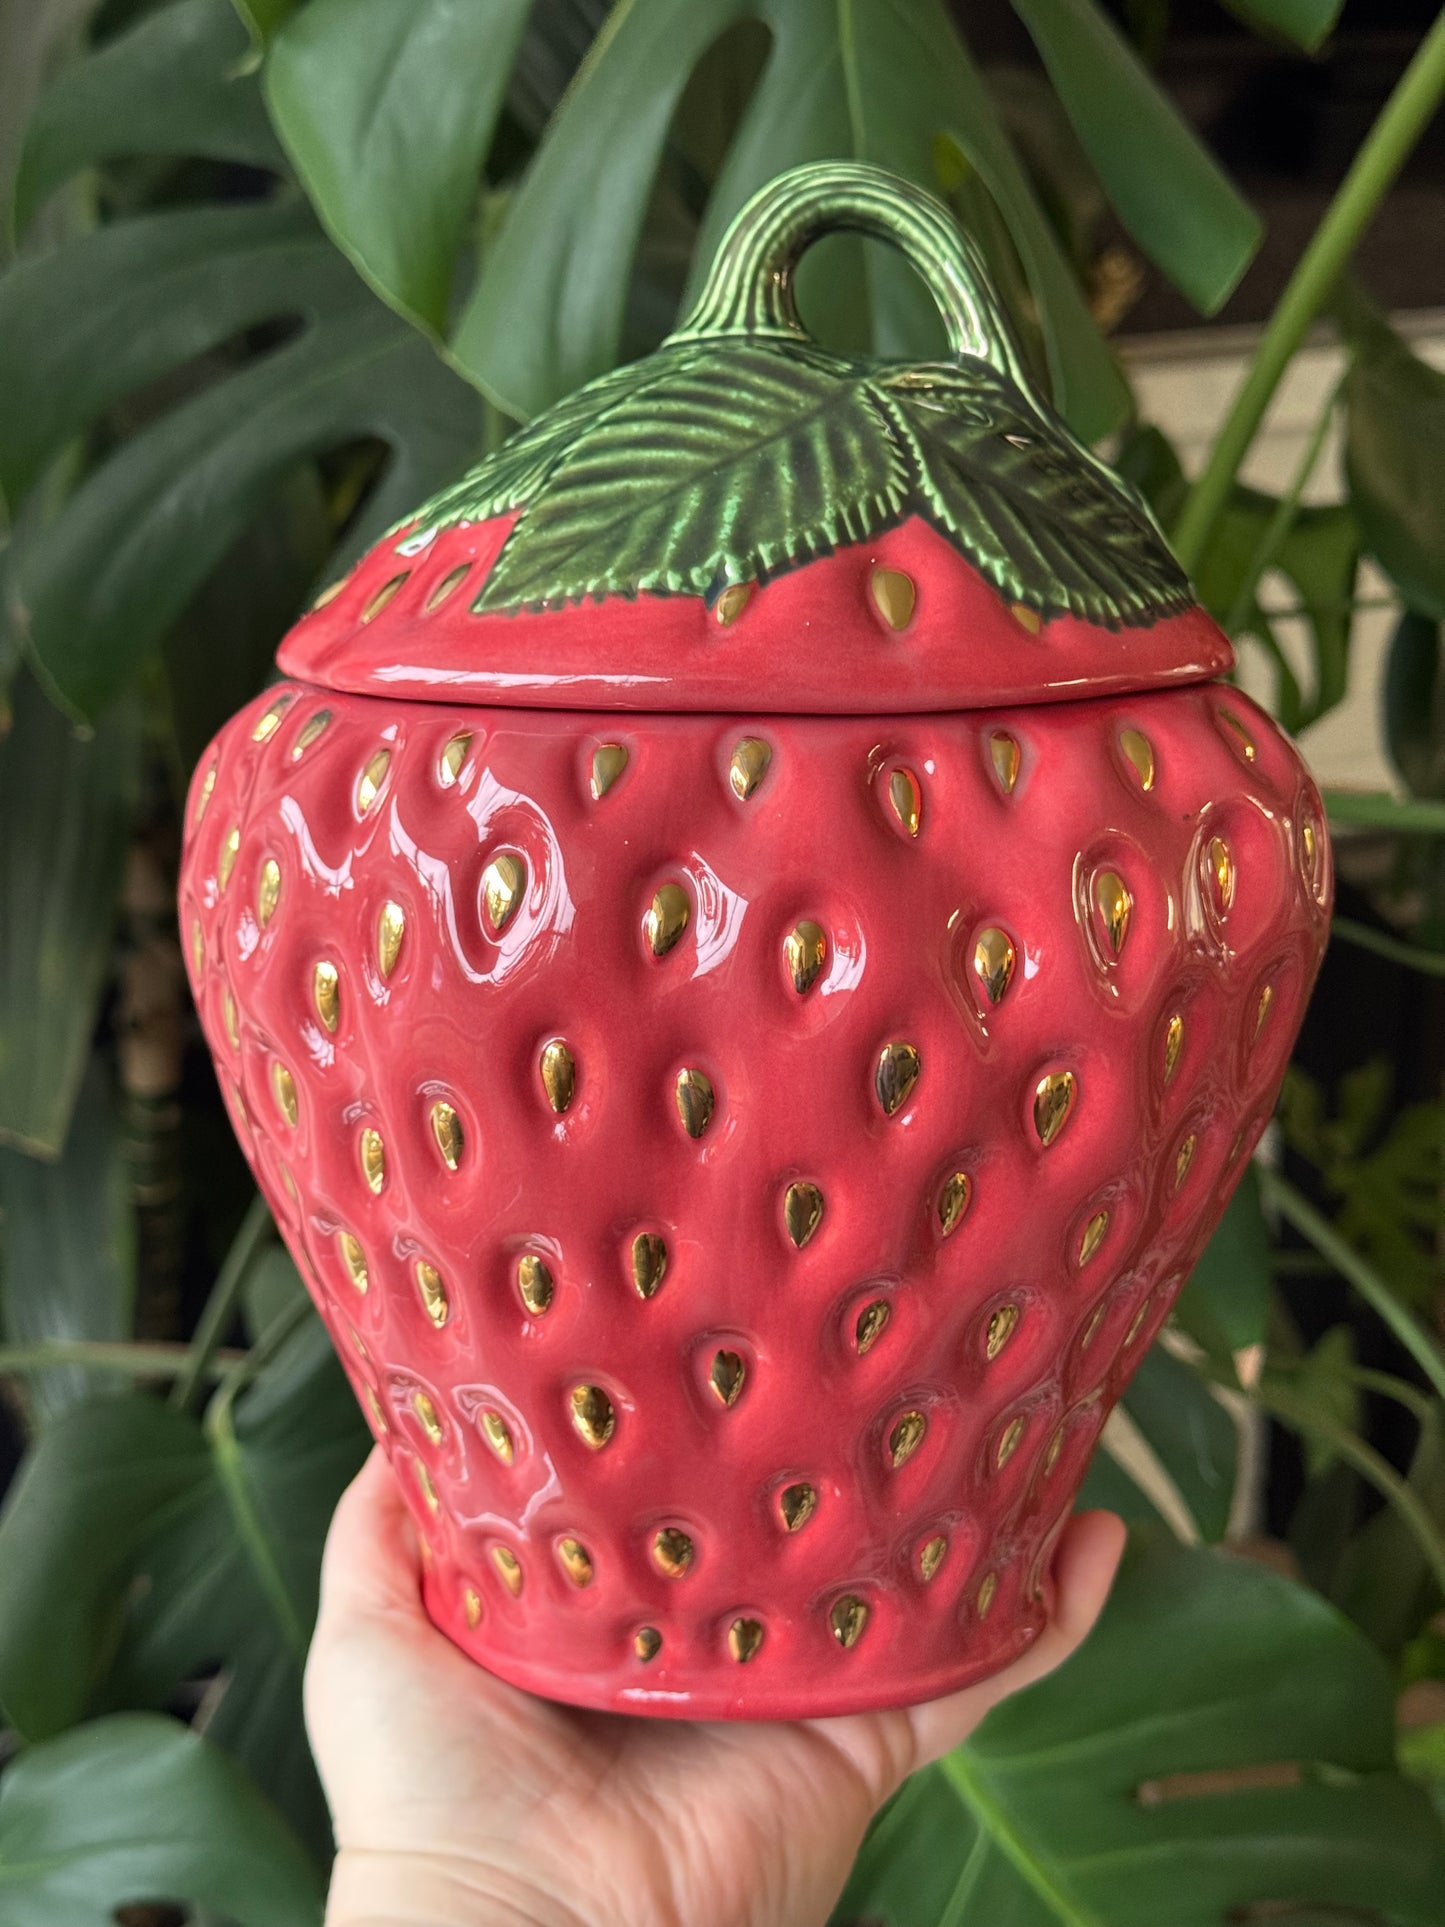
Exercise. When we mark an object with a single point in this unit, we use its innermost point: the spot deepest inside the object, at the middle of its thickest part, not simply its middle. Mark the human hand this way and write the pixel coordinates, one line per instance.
(459, 1801)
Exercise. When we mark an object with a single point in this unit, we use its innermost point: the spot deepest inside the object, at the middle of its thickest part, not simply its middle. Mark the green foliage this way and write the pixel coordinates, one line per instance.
(126, 1810)
(265, 258)
(1221, 1747)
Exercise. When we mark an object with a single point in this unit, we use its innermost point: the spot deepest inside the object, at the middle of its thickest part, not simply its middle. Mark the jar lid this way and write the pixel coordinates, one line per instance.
(741, 521)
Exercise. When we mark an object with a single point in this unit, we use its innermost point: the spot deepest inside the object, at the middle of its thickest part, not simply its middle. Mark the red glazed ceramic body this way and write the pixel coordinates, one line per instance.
(742, 1145)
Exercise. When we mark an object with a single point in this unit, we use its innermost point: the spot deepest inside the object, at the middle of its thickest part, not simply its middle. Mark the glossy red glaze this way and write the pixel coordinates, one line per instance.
(809, 641)
(1225, 861)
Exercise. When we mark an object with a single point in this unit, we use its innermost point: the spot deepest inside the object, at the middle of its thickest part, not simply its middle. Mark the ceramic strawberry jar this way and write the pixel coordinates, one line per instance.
(747, 954)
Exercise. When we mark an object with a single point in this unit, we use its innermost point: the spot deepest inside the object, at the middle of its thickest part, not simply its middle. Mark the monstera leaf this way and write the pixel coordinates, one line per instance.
(803, 453)
(141, 1549)
(1221, 1750)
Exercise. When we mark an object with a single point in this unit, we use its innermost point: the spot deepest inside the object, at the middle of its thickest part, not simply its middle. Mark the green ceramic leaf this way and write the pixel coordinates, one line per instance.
(141, 1549)
(168, 85)
(881, 81)
(138, 1808)
(1221, 1750)
(1169, 193)
(804, 453)
(1414, 703)
(1231, 1282)
(387, 108)
(67, 1244)
(65, 804)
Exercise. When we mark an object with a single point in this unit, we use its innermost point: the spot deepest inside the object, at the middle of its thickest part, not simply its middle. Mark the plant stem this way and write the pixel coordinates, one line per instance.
(1304, 1417)
(98, 1355)
(1430, 962)
(221, 1305)
(1401, 122)
(1377, 810)
(1351, 1266)
(1273, 535)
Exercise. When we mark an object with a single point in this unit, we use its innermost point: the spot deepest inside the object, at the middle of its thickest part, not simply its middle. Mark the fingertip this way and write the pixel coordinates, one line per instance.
(1084, 1568)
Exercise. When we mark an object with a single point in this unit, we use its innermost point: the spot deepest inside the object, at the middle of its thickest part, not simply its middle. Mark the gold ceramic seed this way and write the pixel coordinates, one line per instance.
(446, 1128)
(198, 949)
(271, 721)
(428, 1489)
(390, 929)
(310, 732)
(1139, 753)
(503, 881)
(930, 1558)
(1307, 834)
(593, 1418)
(1004, 751)
(802, 1211)
(1001, 1327)
(1093, 1236)
(805, 949)
(383, 596)
(433, 1292)
(987, 1588)
(1009, 1440)
(666, 919)
(230, 1017)
(672, 1552)
(1173, 1044)
(559, 1074)
(797, 1503)
(498, 1436)
(454, 754)
(426, 1417)
(354, 1258)
(207, 790)
(953, 1202)
(869, 1326)
(647, 1643)
(1261, 1013)
(472, 1607)
(993, 962)
(283, 1089)
(897, 1073)
(744, 1638)
(575, 1561)
(906, 1437)
(1221, 868)
(368, 784)
(731, 603)
(268, 891)
(1054, 1096)
(905, 799)
(1055, 1448)
(1091, 1330)
(649, 1263)
(448, 586)
(1136, 1325)
(748, 766)
(1184, 1159)
(329, 593)
(848, 1618)
(373, 1159)
(1025, 617)
(693, 1095)
(726, 1375)
(1240, 736)
(326, 994)
(534, 1282)
(1115, 905)
(509, 1569)
(608, 762)
(893, 596)
(373, 1405)
(229, 851)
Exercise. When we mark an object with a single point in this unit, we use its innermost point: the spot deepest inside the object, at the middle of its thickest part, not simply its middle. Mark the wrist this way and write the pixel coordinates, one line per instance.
(371, 1889)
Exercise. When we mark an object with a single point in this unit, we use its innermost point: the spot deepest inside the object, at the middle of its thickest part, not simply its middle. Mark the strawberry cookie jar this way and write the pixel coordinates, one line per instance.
(747, 955)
